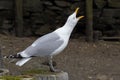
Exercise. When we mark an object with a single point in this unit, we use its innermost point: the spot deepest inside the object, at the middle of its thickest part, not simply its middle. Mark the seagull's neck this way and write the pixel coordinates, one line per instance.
(66, 29)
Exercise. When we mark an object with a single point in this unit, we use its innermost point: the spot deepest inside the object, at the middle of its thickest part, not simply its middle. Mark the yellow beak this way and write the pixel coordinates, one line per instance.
(76, 11)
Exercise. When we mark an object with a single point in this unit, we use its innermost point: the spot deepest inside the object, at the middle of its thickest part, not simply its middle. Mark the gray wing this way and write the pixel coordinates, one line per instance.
(44, 45)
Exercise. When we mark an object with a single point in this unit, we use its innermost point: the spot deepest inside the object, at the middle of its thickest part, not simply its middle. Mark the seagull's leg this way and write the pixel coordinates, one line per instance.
(51, 65)
(52, 69)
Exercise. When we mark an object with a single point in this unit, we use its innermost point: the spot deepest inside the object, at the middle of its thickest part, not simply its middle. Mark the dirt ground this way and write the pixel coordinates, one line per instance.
(82, 60)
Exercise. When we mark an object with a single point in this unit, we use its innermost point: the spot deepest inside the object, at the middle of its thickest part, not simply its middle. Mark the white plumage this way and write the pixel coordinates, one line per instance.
(52, 43)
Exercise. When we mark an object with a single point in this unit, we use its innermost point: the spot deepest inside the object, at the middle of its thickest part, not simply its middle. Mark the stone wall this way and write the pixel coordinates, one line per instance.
(40, 16)
(107, 17)
(43, 16)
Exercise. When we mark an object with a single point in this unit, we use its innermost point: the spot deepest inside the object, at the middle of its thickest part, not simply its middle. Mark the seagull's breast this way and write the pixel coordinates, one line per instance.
(64, 38)
(60, 49)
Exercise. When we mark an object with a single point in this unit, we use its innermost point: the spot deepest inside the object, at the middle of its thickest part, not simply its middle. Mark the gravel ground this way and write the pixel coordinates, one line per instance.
(82, 60)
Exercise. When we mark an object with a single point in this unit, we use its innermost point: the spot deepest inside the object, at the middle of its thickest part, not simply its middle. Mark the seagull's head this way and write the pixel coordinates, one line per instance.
(73, 19)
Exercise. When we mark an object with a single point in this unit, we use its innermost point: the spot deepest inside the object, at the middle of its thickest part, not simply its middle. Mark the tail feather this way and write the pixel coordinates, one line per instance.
(18, 56)
(23, 61)
(14, 56)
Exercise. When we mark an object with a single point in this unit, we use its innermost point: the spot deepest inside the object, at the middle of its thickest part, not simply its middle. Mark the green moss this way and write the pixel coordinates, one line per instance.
(37, 71)
(10, 78)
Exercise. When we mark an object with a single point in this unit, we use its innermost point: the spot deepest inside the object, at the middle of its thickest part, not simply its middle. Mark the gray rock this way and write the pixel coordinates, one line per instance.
(27, 79)
(62, 3)
(100, 3)
(55, 8)
(47, 3)
(6, 24)
(6, 4)
(114, 3)
(53, 76)
(3, 71)
(43, 30)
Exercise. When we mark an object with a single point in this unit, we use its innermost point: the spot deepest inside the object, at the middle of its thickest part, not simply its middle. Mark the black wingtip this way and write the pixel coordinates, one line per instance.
(13, 56)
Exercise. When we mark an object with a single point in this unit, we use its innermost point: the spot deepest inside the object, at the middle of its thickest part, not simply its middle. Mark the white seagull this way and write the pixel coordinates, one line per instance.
(50, 44)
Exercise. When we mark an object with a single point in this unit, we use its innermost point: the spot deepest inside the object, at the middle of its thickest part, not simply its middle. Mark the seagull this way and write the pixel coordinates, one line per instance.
(50, 44)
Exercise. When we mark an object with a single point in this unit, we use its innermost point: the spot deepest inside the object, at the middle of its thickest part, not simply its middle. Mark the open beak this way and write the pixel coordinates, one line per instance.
(76, 11)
